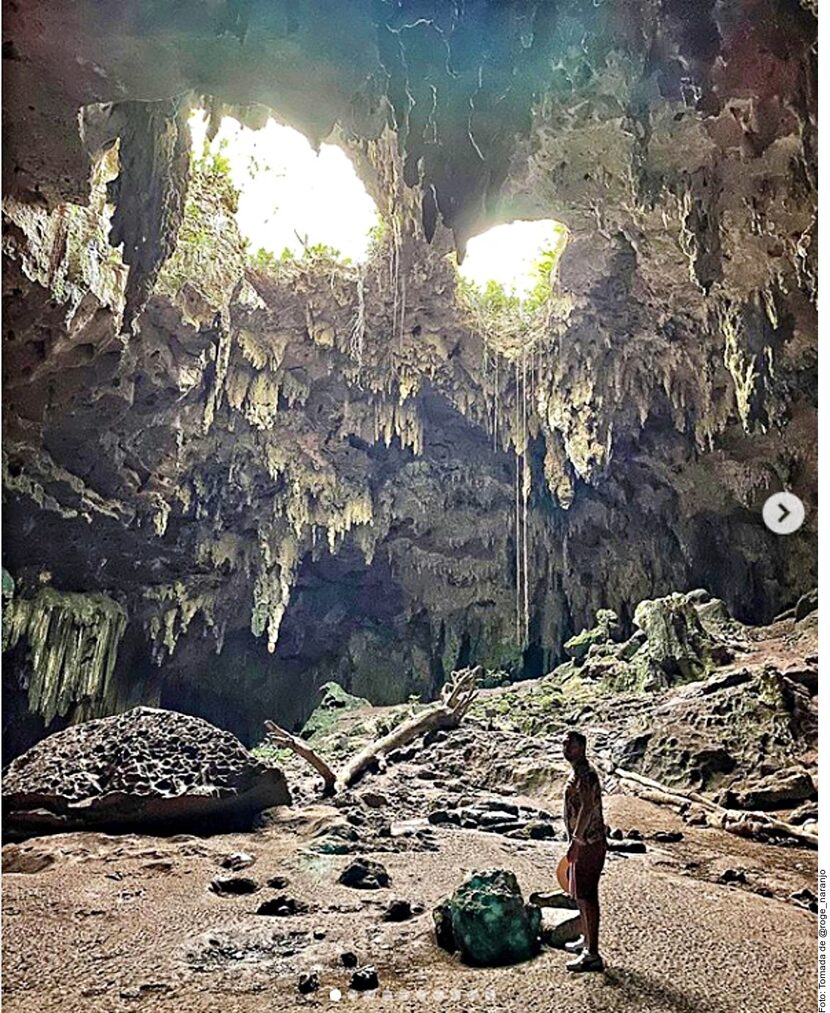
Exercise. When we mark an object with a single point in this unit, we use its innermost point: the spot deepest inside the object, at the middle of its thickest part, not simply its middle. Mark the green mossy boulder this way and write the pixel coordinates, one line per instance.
(677, 641)
(606, 628)
(487, 920)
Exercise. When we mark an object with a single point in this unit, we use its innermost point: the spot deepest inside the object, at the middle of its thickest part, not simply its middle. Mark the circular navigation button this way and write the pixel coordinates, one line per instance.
(783, 513)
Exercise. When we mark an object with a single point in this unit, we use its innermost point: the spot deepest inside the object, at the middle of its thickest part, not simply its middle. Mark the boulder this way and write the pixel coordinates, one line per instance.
(556, 898)
(145, 769)
(676, 639)
(26, 860)
(487, 920)
(714, 615)
(627, 650)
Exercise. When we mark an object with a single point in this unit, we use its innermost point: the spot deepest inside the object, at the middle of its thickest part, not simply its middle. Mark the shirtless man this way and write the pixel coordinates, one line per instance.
(586, 835)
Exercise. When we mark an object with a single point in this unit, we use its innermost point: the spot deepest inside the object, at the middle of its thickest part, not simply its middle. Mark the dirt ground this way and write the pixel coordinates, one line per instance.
(128, 923)
(94, 923)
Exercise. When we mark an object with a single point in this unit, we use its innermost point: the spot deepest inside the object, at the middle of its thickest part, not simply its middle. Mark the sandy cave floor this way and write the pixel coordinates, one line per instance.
(124, 922)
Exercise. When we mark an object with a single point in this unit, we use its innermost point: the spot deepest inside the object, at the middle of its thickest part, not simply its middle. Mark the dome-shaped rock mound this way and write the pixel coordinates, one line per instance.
(146, 769)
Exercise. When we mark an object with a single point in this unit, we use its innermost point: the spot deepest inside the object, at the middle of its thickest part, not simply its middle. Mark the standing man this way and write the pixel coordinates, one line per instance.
(586, 835)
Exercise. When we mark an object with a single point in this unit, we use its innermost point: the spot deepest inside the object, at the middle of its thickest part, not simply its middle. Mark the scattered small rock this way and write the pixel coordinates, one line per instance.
(348, 959)
(425, 774)
(539, 830)
(282, 907)
(732, 876)
(805, 898)
(374, 799)
(236, 861)
(319, 934)
(277, 882)
(442, 817)
(308, 982)
(627, 847)
(233, 886)
(402, 755)
(634, 834)
(364, 874)
(364, 979)
(668, 836)
(398, 911)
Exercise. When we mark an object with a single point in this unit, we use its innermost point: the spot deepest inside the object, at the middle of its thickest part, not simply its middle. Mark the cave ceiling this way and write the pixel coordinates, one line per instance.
(329, 469)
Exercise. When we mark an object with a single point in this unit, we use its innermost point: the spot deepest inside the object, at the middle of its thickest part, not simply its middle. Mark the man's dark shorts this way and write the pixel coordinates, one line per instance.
(585, 870)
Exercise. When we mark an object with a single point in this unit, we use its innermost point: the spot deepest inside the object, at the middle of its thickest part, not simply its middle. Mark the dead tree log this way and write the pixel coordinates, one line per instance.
(735, 821)
(285, 740)
(456, 698)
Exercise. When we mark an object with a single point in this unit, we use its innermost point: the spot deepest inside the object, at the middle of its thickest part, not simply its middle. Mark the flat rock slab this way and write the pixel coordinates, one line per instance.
(560, 926)
(144, 769)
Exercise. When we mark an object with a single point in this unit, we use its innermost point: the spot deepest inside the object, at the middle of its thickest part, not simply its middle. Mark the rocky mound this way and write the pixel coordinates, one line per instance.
(146, 768)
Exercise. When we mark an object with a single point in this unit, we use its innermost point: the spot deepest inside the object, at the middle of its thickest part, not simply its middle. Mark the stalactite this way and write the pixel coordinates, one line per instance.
(73, 645)
(174, 607)
(221, 360)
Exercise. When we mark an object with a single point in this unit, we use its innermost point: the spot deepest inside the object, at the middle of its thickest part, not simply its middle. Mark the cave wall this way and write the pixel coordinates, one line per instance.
(284, 476)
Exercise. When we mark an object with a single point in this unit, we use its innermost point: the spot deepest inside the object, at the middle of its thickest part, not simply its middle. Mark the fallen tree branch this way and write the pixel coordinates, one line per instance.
(734, 820)
(457, 697)
(285, 740)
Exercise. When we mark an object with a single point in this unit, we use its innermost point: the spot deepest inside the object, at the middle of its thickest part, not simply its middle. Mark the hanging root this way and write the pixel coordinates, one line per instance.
(358, 331)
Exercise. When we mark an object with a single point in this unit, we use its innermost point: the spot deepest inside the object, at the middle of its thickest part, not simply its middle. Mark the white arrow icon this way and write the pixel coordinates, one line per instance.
(783, 513)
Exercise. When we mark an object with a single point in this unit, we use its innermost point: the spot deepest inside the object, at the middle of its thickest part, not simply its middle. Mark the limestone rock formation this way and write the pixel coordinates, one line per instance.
(676, 640)
(145, 769)
(607, 625)
(279, 475)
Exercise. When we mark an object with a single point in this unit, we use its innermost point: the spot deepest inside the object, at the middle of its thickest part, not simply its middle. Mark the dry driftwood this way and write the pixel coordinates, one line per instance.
(456, 698)
(735, 821)
(285, 740)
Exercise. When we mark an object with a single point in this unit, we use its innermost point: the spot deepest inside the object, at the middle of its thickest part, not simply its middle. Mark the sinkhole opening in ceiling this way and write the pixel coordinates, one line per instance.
(292, 199)
(518, 258)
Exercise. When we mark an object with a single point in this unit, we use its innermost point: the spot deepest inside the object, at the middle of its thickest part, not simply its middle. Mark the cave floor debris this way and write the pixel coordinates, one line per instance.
(129, 922)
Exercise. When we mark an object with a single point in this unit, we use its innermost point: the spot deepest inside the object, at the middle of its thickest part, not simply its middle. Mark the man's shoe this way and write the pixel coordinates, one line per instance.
(576, 945)
(586, 962)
